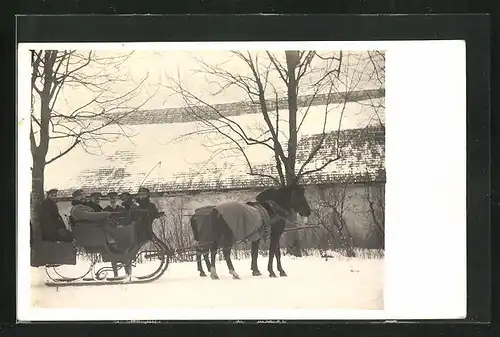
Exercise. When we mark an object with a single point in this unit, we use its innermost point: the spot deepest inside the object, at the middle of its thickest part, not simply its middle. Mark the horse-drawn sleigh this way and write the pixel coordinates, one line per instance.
(134, 241)
(215, 227)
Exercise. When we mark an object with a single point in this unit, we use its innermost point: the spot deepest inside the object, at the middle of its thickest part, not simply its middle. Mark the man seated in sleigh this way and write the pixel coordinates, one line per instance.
(117, 237)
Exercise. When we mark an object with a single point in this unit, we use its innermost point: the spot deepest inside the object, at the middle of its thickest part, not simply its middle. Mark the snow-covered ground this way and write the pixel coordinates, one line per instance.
(312, 283)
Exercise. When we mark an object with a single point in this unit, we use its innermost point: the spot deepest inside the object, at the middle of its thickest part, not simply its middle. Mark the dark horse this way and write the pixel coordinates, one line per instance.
(214, 226)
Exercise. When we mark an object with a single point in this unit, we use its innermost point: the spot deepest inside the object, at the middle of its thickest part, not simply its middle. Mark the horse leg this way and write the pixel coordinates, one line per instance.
(207, 259)
(213, 254)
(198, 263)
(205, 251)
(115, 268)
(227, 256)
(219, 239)
(273, 244)
(227, 244)
(278, 260)
(128, 268)
(255, 255)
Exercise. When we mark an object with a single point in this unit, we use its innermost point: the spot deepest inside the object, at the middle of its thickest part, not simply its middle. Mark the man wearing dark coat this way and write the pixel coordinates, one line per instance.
(94, 201)
(113, 203)
(127, 201)
(144, 203)
(81, 210)
(113, 207)
(52, 225)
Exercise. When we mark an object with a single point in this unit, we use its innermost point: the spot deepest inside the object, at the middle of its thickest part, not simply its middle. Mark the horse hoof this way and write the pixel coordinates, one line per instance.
(283, 274)
(202, 274)
(213, 274)
(236, 276)
(272, 274)
(256, 273)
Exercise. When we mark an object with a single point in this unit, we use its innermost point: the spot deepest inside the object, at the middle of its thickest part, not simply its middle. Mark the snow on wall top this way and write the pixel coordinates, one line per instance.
(178, 115)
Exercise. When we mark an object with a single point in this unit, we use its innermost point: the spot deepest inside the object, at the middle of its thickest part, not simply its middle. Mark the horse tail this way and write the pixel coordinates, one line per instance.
(194, 227)
(213, 217)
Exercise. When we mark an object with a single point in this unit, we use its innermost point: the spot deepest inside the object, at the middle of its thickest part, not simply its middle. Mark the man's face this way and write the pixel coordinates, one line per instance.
(142, 195)
(113, 200)
(52, 196)
(94, 199)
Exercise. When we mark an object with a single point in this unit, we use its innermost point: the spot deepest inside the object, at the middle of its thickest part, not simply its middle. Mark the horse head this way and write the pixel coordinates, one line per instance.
(290, 197)
(298, 200)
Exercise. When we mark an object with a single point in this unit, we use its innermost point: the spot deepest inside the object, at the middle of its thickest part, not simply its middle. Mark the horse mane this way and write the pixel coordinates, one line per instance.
(267, 194)
(276, 193)
(273, 196)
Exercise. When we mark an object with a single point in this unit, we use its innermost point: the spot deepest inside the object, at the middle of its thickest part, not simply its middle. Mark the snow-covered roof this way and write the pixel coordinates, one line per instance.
(154, 159)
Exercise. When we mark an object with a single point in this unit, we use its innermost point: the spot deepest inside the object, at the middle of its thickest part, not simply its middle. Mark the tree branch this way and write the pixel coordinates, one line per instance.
(235, 127)
(63, 153)
(328, 162)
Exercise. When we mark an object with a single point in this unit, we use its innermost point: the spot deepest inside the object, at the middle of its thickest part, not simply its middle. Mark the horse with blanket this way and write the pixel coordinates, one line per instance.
(224, 224)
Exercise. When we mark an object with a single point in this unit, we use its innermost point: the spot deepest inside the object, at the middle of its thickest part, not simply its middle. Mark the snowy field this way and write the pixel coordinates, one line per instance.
(312, 283)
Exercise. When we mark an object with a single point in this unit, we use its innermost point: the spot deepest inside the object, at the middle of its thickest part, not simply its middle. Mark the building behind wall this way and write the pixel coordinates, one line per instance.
(354, 185)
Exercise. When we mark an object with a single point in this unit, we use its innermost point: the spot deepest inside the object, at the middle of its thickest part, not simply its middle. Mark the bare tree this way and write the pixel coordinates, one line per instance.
(177, 229)
(375, 196)
(330, 205)
(93, 80)
(274, 84)
(377, 104)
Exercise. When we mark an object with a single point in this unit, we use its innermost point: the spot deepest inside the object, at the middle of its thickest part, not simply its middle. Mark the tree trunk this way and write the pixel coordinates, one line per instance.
(292, 60)
(292, 238)
(347, 239)
(36, 197)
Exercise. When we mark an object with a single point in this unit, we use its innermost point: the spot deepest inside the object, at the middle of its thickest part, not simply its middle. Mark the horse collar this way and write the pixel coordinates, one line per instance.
(277, 208)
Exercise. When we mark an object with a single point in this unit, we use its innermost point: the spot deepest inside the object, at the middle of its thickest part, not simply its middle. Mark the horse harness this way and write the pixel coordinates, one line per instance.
(270, 213)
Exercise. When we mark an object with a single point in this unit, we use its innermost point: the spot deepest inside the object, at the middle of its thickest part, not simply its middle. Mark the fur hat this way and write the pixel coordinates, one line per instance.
(77, 193)
(144, 189)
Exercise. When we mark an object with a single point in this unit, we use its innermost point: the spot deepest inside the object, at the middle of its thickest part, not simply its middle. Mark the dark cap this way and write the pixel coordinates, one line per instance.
(78, 193)
(96, 194)
(125, 194)
(52, 190)
(143, 189)
(112, 194)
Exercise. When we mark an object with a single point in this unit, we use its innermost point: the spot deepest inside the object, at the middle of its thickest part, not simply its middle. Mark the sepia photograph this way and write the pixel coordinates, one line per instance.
(207, 179)
(241, 181)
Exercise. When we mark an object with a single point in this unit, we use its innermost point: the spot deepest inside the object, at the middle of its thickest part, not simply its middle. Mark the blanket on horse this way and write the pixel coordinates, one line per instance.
(246, 222)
